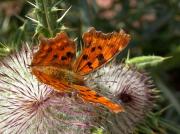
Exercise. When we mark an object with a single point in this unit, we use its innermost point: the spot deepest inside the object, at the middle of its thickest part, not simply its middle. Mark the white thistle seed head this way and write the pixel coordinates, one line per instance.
(30, 107)
(125, 85)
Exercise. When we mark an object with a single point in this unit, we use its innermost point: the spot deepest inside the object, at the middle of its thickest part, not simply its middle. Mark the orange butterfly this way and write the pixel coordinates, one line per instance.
(55, 62)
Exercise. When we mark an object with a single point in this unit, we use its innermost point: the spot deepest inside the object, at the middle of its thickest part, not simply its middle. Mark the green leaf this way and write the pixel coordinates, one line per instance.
(146, 61)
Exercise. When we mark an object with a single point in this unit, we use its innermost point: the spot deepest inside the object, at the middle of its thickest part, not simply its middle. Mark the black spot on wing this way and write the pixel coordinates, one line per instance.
(93, 49)
(70, 54)
(55, 56)
(100, 58)
(85, 57)
(89, 65)
(99, 47)
(63, 58)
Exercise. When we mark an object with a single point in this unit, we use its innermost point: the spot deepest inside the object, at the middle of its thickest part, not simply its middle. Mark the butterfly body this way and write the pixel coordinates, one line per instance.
(56, 64)
(63, 76)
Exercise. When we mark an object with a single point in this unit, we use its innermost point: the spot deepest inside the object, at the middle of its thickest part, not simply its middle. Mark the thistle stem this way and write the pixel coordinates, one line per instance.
(46, 17)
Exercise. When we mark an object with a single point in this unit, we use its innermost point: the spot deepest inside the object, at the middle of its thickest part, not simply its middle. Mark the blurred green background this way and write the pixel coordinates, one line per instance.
(153, 24)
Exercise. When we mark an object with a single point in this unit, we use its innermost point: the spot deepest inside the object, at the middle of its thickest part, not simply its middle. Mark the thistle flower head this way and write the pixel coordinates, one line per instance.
(27, 106)
(129, 87)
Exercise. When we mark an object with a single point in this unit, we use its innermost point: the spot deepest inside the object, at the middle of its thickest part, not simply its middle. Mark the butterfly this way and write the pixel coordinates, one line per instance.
(55, 63)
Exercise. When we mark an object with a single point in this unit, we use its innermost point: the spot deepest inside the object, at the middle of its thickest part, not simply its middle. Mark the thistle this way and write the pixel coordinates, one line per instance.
(129, 87)
(27, 106)
(46, 17)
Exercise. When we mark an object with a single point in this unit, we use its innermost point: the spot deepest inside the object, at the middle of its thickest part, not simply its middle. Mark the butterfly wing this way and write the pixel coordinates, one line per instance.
(58, 51)
(55, 55)
(99, 49)
(57, 84)
(91, 96)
